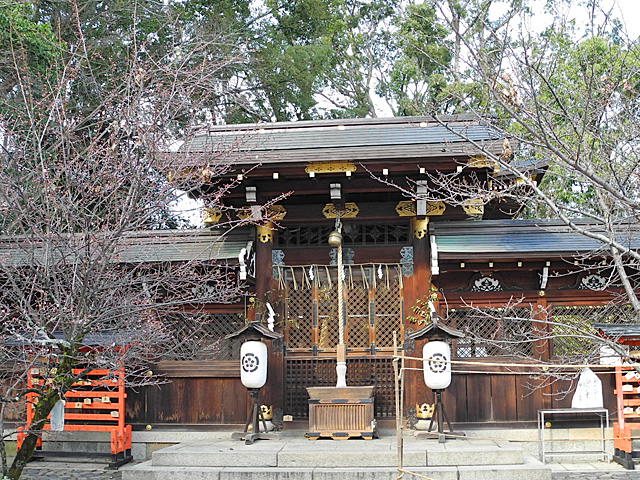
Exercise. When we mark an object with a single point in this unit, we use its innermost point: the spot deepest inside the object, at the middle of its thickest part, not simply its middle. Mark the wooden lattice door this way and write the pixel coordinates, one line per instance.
(372, 314)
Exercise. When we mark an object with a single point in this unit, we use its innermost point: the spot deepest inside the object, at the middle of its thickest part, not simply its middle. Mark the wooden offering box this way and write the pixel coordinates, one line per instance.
(341, 413)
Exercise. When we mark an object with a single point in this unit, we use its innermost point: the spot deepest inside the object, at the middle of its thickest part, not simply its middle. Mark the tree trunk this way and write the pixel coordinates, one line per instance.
(43, 408)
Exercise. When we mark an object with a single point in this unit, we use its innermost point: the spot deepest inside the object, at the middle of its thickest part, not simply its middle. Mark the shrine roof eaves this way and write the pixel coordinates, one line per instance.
(523, 238)
(349, 139)
(140, 247)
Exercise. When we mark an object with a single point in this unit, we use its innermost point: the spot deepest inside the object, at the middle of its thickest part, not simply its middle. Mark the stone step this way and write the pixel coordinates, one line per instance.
(294, 457)
(300, 453)
(473, 452)
(531, 469)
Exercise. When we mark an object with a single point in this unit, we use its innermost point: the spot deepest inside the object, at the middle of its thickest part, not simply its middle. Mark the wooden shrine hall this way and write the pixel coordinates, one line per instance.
(487, 273)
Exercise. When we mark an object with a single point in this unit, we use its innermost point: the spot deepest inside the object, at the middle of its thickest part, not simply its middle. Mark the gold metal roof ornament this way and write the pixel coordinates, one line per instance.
(481, 161)
(330, 167)
(211, 215)
(274, 213)
(407, 208)
(420, 227)
(473, 206)
(350, 210)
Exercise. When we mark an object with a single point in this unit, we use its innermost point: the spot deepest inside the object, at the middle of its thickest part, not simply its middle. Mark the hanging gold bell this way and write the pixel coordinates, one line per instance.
(335, 238)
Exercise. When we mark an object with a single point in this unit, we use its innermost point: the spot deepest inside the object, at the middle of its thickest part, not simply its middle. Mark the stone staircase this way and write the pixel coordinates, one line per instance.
(294, 457)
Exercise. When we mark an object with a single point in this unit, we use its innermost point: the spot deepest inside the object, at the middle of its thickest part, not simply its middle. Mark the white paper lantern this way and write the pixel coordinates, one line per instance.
(253, 364)
(436, 365)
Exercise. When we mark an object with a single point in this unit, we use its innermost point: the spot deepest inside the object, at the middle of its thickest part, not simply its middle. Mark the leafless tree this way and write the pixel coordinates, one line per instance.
(566, 100)
(85, 188)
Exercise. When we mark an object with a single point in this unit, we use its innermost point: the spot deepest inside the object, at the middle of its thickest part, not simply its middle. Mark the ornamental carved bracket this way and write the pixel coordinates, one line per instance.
(211, 215)
(347, 256)
(330, 167)
(350, 210)
(590, 281)
(486, 284)
(273, 213)
(594, 282)
(407, 208)
(473, 206)
(406, 261)
(493, 282)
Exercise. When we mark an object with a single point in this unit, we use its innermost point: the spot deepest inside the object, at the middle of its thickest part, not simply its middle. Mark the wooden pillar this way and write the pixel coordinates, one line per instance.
(415, 390)
(315, 325)
(421, 267)
(272, 393)
(372, 318)
(541, 330)
(264, 247)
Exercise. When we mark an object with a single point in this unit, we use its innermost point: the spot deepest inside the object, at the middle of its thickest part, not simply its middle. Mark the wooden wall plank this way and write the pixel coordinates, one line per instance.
(503, 397)
(559, 398)
(165, 402)
(211, 399)
(478, 397)
(529, 398)
(455, 399)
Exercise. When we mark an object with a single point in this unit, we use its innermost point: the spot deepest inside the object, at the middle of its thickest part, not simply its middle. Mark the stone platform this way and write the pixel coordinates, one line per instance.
(294, 457)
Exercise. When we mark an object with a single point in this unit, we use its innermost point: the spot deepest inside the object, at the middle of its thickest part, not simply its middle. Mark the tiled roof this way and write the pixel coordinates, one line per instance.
(529, 238)
(349, 139)
(140, 247)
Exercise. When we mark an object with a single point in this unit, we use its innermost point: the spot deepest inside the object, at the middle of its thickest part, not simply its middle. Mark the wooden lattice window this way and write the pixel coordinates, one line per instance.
(387, 314)
(492, 331)
(353, 234)
(571, 328)
(303, 372)
(300, 318)
(196, 336)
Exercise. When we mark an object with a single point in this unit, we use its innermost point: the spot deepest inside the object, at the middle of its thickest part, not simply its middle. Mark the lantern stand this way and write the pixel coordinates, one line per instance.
(255, 420)
(253, 374)
(439, 414)
(439, 364)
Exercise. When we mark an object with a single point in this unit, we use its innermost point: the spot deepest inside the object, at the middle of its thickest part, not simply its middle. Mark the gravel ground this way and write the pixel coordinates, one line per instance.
(68, 471)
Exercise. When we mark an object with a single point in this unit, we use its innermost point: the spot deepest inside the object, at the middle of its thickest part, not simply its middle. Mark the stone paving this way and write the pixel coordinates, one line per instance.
(76, 471)
(632, 475)
(592, 471)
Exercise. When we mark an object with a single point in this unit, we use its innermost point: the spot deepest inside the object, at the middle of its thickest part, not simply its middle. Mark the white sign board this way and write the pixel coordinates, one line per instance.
(588, 392)
(57, 417)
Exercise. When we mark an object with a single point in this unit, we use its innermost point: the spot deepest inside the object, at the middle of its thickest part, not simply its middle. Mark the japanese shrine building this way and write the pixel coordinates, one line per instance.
(292, 179)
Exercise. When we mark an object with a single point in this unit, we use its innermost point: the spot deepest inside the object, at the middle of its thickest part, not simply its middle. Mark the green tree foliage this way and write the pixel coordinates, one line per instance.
(418, 78)
(27, 43)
